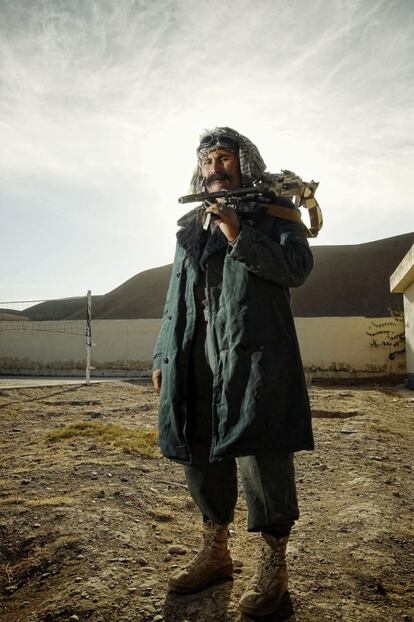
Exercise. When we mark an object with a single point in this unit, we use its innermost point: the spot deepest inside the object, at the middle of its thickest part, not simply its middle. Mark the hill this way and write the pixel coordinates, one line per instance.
(348, 280)
(352, 280)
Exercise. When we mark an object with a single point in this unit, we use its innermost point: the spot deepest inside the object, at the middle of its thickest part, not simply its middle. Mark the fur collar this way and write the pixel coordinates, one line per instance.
(198, 243)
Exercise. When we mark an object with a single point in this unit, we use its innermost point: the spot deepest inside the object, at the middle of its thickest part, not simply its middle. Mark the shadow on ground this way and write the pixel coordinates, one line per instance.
(214, 605)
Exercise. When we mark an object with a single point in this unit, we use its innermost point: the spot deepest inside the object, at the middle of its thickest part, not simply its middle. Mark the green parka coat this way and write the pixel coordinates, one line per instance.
(260, 401)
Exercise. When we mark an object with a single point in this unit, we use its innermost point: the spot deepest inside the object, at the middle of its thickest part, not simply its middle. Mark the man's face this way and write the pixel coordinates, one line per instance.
(220, 169)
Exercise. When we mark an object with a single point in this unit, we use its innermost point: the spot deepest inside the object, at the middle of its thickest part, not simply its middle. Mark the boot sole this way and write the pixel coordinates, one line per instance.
(223, 573)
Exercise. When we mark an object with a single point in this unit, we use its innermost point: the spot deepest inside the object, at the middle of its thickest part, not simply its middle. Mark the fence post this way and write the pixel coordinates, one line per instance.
(88, 335)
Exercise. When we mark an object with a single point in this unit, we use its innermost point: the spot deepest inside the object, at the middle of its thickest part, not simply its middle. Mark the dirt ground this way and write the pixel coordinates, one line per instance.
(90, 530)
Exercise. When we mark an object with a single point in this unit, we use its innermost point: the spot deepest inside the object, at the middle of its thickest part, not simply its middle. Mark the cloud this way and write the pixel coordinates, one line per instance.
(101, 104)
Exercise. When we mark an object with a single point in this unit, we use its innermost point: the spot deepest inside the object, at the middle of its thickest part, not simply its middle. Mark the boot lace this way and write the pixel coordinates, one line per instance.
(208, 543)
(270, 560)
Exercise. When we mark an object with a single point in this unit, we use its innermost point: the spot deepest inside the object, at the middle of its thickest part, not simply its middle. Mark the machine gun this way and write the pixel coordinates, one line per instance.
(286, 184)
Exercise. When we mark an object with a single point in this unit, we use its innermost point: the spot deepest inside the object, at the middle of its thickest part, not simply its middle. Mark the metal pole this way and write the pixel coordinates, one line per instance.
(88, 335)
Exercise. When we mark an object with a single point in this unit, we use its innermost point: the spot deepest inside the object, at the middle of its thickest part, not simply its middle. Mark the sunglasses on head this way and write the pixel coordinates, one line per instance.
(218, 140)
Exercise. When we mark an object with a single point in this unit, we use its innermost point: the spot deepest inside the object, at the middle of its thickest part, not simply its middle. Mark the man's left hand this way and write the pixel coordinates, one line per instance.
(227, 220)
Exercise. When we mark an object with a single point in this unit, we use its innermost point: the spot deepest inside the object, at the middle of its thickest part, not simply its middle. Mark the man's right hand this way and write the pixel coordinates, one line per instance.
(157, 379)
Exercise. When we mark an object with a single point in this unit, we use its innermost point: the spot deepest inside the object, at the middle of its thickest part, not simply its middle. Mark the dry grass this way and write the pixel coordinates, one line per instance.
(143, 442)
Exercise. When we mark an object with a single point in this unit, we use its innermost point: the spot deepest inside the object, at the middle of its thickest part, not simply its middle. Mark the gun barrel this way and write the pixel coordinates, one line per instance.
(238, 192)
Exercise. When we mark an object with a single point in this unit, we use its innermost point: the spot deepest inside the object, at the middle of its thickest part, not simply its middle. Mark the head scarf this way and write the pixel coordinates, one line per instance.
(252, 166)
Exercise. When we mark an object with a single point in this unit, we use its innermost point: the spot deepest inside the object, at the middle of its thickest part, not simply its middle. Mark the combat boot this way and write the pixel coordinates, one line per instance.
(270, 582)
(212, 562)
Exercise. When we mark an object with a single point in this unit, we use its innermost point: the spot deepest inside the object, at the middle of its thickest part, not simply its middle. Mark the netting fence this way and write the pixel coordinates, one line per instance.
(70, 316)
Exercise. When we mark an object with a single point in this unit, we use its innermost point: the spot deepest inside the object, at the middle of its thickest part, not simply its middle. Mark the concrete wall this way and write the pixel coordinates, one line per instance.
(349, 348)
(409, 331)
(121, 347)
(402, 281)
(352, 347)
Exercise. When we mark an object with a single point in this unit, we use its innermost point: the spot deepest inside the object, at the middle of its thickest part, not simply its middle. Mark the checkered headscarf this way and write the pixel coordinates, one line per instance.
(252, 166)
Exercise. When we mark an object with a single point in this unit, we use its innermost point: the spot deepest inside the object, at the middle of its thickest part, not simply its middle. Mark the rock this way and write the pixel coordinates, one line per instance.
(74, 592)
(132, 589)
(347, 431)
(177, 549)
(163, 517)
(36, 525)
(11, 588)
(109, 475)
(158, 618)
(124, 479)
(74, 618)
(25, 482)
(80, 556)
(93, 414)
(149, 569)
(142, 561)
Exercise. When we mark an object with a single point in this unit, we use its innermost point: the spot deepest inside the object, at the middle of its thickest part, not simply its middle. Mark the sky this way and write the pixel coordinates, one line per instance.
(102, 103)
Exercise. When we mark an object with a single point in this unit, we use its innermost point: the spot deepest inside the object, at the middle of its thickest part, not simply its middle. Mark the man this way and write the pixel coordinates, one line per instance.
(228, 368)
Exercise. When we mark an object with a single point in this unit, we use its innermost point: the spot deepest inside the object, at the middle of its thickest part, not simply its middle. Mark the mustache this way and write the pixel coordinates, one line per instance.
(216, 177)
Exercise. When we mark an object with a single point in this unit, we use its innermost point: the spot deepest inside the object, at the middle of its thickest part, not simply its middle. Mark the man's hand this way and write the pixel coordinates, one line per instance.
(227, 220)
(157, 379)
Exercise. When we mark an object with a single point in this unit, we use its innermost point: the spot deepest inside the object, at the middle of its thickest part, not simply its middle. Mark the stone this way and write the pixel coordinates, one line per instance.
(177, 549)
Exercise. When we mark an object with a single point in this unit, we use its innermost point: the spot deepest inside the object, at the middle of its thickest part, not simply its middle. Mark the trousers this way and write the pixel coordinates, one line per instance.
(268, 479)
